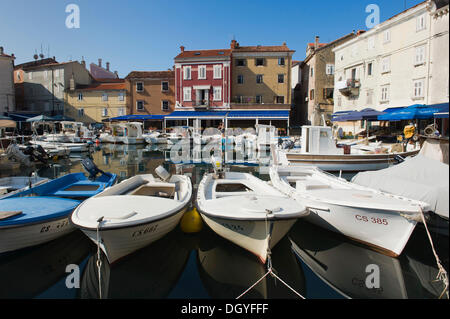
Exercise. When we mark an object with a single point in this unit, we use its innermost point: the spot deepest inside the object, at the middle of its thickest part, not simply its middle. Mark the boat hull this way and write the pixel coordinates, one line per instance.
(384, 231)
(251, 235)
(350, 162)
(119, 242)
(18, 237)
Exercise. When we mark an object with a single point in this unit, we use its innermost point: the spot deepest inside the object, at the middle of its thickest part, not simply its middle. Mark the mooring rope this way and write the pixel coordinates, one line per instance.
(269, 264)
(99, 262)
(442, 274)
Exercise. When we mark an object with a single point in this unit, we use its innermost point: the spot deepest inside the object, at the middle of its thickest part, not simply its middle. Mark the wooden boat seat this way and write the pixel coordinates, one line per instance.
(166, 190)
(6, 215)
(309, 185)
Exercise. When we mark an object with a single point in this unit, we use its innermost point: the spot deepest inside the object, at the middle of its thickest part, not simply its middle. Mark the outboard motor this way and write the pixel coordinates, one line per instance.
(91, 168)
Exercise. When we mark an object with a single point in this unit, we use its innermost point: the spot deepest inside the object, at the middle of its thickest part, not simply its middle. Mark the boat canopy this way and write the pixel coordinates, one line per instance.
(365, 114)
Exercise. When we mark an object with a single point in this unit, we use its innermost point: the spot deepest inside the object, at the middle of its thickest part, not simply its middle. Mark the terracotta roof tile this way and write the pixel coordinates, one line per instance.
(204, 53)
(263, 48)
(102, 86)
(151, 74)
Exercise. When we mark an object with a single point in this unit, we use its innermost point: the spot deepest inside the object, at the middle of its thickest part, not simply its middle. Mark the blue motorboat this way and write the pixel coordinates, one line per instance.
(40, 214)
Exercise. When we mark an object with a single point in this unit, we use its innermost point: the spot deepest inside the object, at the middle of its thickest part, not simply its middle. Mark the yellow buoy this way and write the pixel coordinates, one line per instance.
(191, 222)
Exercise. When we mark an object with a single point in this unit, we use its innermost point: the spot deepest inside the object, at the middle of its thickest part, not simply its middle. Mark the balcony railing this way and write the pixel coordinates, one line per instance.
(201, 104)
(349, 87)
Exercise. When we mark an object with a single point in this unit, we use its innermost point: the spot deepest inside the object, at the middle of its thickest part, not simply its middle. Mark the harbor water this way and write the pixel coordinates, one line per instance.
(316, 263)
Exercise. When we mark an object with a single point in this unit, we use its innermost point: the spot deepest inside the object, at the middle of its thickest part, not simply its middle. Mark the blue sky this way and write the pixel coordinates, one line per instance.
(145, 35)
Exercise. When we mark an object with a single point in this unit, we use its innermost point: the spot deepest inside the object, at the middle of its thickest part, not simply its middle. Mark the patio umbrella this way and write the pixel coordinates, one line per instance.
(63, 118)
(41, 118)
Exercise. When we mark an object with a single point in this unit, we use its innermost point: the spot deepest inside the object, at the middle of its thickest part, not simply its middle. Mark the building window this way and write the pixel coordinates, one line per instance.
(329, 69)
(164, 86)
(140, 105)
(201, 72)
(139, 87)
(240, 62)
(187, 73)
(418, 86)
(311, 94)
(217, 71)
(419, 57)
(121, 111)
(80, 96)
(386, 64)
(259, 62)
(385, 93)
(165, 105)
(420, 23)
(280, 100)
(312, 72)
(370, 69)
(258, 99)
(121, 96)
(217, 93)
(240, 79)
(104, 111)
(387, 36)
(259, 78)
(280, 78)
(187, 94)
(328, 93)
(105, 97)
(80, 112)
(281, 61)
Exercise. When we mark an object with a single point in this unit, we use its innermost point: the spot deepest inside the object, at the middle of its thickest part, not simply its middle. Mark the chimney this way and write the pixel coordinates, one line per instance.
(182, 48)
(316, 44)
(1, 50)
(100, 62)
(233, 44)
(107, 66)
(83, 63)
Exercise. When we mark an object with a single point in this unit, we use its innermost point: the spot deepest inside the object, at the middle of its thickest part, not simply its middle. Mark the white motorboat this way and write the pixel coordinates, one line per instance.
(126, 133)
(380, 220)
(15, 184)
(318, 148)
(245, 138)
(155, 137)
(266, 136)
(211, 135)
(246, 210)
(73, 147)
(76, 132)
(134, 213)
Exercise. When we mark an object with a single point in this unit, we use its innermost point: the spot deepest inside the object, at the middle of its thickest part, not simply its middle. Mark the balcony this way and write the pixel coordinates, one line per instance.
(201, 104)
(349, 87)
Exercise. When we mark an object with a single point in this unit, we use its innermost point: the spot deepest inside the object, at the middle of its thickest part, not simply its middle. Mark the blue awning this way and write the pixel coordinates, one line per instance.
(138, 117)
(365, 114)
(264, 114)
(196, 114)
(343, 116)
(442, 115)
(413, 112)
(21, 117)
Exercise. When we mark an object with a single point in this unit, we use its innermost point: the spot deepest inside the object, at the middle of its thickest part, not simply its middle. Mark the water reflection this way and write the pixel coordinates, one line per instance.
(151, 272)
(227, 270)
(29, 272)
(342, 265)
